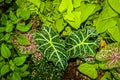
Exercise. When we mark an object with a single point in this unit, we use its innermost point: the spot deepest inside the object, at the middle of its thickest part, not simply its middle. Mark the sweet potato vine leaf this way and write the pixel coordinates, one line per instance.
(83, 43)
(51, 47)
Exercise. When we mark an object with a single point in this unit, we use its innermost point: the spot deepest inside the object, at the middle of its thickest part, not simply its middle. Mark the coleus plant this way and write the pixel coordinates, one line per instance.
(81, 43)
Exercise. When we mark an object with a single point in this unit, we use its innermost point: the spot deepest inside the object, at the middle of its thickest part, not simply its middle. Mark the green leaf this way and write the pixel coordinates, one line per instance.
(4, 69)
(89, 70)
(4, 19)
(5, 51)
(103, 25)
(51, 47)
(63, 5)
(19, 60)
(2, 29)
(8, 1)
(107, 76)
(25, 74)
(23, 28)
(109, 56)
(59, 25)
(115, 73)
(22, 40)
(16, 76)
(9, 26)
(115, 5)
(12, 16)
(73, 19)
(25, 14)
(86, 11)
(66, 31)
(1, 0)
(24, 68)
(35, 2)
(12, 65)
(114, 33)
(76, 3)
(81, 44)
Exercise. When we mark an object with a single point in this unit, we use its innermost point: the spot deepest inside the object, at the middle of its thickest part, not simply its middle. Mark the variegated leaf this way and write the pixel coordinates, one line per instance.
(83, 43)
(110, 55)
(51, 47)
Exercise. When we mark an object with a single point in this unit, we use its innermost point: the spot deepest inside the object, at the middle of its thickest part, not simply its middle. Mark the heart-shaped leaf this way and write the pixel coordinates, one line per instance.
(89, 70)
(81, 44)
(51, 47)
(110, 55)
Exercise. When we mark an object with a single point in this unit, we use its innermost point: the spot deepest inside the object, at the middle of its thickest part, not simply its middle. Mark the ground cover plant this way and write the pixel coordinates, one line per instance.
(47, 39)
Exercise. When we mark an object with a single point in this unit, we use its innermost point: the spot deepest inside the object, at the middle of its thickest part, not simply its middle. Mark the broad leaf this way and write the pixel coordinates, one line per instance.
(4, 19)
(110, 55)
(107, 76)
(4, 69)
(80, 43)
(5, 51)
(22, 40)
(51, 47)
(89, 70)
(115, 33)
(115, 4)
(19, 60)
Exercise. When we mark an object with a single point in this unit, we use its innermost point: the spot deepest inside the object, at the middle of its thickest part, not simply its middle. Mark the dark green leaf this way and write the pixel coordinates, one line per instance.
(51, 47)
(80, 43)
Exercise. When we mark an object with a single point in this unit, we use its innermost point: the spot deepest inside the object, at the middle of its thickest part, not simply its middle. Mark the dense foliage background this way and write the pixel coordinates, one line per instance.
(40, 39)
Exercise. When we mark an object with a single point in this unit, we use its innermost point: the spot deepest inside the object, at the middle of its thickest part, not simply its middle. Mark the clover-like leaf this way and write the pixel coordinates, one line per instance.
(110, 55)
(51, 47)
(83, 43)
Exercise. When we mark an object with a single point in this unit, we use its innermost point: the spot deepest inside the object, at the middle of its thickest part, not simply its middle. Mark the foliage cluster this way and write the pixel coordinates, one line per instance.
(57, 31)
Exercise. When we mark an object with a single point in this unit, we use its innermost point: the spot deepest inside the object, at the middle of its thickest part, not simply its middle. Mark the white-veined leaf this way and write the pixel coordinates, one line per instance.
(51, 47)
(81, 44)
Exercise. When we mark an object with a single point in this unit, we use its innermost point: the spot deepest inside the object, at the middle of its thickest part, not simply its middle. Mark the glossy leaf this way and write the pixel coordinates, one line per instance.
(5, 51)
(51, 47)
(19, 60)
(110, 55)
(89, 70)
(80, 43)
(22, 40)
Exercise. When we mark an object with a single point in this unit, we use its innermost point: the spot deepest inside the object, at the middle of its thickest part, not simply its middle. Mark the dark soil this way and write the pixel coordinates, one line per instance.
(72, 73)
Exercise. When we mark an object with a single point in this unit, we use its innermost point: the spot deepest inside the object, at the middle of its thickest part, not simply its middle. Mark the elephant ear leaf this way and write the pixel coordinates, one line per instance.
(51, 47)
(83, 43)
